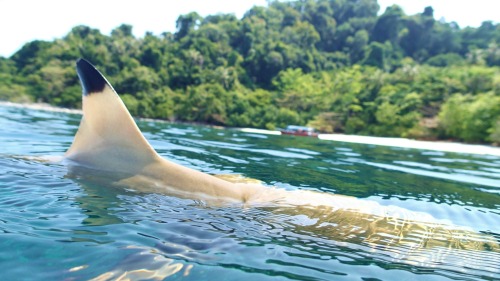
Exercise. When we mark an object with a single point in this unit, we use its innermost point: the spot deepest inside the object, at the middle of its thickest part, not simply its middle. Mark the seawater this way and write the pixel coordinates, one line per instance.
(59, 226)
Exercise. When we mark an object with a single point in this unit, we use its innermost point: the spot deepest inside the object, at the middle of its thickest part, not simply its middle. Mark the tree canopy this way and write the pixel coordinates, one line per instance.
(336, 65)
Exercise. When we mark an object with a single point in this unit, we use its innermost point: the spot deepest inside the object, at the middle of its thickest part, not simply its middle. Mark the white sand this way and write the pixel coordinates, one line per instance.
(41, 106)
(260, 131)
(407, 143)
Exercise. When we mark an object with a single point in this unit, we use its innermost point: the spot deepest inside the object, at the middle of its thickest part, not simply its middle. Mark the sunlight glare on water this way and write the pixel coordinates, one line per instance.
(65, 226)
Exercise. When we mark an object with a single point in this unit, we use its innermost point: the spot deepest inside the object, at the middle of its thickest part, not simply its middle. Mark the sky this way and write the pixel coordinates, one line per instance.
(22, 21)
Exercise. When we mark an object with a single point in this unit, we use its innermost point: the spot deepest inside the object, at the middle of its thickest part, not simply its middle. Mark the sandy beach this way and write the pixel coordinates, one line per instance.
(383, 141)
(400, 142)
(41, 106)
(416, 144)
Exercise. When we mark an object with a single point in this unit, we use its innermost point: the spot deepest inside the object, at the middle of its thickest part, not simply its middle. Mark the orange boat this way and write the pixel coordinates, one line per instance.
(299, 131)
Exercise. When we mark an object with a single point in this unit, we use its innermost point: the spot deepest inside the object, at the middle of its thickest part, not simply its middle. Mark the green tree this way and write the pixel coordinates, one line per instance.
(470, 118)
(187, 23)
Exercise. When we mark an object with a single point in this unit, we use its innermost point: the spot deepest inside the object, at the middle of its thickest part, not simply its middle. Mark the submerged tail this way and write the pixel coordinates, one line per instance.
(108, 137)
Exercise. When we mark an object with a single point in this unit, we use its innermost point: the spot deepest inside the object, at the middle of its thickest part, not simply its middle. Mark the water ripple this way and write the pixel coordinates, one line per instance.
(48, 215)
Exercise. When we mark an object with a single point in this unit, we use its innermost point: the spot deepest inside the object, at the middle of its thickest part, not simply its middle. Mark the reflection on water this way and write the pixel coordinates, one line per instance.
(75, 227)
(148, 264)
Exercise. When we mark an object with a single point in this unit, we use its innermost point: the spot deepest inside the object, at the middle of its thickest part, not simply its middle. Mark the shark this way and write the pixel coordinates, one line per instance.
(108, 140)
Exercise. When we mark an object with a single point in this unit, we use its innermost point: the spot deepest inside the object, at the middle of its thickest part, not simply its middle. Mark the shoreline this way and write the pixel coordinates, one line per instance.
(41, 106)
(443, 146)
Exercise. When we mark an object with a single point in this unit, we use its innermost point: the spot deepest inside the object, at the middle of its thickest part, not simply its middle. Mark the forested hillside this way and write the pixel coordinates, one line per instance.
(333, 64)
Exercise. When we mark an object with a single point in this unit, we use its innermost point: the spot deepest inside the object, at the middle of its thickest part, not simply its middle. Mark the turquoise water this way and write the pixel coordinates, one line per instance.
(55, 225)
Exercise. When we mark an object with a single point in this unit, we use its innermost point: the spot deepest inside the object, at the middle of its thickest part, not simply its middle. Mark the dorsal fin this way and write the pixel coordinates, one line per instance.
(108, 138)
(91, 79)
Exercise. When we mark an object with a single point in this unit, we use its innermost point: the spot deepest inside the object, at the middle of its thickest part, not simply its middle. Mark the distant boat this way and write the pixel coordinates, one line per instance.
(299, 131)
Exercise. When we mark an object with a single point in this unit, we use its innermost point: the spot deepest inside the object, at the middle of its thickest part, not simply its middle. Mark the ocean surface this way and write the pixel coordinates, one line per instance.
(55, 225)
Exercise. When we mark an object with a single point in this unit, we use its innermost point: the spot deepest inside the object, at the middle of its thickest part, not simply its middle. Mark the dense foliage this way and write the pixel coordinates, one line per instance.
(333, 64)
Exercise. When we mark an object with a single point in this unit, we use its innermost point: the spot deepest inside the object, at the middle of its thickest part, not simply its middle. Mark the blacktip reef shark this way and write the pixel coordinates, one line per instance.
(109, 141)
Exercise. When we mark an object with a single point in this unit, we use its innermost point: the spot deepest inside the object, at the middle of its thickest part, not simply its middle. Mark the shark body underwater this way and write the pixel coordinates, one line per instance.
(109, 141)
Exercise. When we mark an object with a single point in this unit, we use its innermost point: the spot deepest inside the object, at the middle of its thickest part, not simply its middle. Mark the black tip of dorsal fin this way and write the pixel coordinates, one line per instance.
(91, 79)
